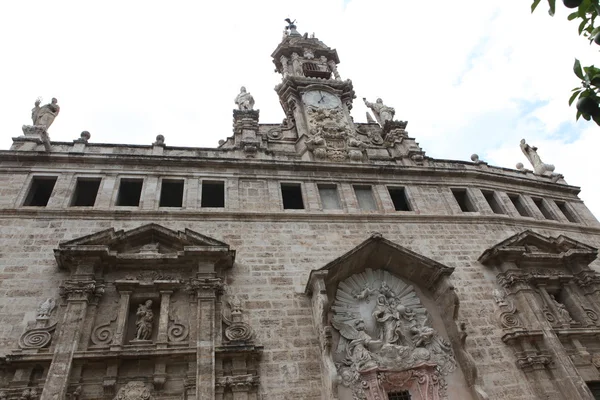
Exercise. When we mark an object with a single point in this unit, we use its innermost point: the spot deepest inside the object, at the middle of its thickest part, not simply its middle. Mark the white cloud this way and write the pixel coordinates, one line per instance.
(470, 77)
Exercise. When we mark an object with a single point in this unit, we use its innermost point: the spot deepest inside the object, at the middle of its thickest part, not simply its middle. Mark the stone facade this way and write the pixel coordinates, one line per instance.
(313, 259)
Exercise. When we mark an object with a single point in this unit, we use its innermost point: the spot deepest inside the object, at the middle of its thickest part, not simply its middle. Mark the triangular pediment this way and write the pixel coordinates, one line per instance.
(380, 253)
(151, 241)
(532, 246)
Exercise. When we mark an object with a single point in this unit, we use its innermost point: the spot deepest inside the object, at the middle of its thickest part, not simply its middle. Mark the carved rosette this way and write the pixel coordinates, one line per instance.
(37, 338)
(134, 391)
(238, 331)
(177, 332)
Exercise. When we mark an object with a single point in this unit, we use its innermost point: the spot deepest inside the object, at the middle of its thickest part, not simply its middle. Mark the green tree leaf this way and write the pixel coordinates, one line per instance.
(552, 4)
(534, 5)
(577, 69)
(572, 16)
(573, 97)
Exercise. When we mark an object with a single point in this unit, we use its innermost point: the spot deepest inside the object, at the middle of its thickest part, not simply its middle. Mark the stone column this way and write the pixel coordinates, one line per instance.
(334, 69)
(163, 322)
(206, 290)
(240, 392)
(284, 66)
(119, 337)
(77, 294)
(296, 68)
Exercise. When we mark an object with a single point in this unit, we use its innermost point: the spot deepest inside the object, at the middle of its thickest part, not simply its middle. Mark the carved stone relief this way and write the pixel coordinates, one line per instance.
(134, 391)
(37, 338)
(382, 324)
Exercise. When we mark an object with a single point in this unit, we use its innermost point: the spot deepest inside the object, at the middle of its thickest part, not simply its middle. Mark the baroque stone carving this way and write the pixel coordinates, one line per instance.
(46, 308)
(237, 330)
(508, 312)
(539, 167)
(134, 391)
(562, 310)
(37, 338)
(81, 290)
(144, 321)
(102, 335)
(381, 111)
(45, 115)
(29, 394)
(177, 332)
(244, 100)
(382, 323)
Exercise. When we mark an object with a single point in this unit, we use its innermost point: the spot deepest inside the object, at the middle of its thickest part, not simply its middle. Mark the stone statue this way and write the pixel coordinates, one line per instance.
(382, 112)
(562, 310)
(538, 166)
(244, 100)
(358, 348)
(144, 321)
(46, 308)
(387, 320)
(134, 391)
(44, 116)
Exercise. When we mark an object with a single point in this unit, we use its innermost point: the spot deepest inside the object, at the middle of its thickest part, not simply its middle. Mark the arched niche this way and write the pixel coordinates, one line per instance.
(385, 317)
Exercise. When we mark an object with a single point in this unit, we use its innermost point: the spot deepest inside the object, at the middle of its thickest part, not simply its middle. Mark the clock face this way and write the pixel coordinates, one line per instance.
(321, 99)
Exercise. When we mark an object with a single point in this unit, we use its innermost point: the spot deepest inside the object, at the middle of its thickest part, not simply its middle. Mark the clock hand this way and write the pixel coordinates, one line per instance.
(322, 97)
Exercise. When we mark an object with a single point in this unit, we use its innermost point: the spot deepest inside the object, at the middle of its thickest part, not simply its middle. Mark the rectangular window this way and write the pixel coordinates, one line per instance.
(398, 195)
(402, 395)
(171, 193)
(292, 196)
(364, 196)
(130, 191)
(213, 194)
(86, 190)
(543, 207)
(569, 215)
(40, 190)
(463, 200)
(517, 201)
(493, 202)
(329, 197)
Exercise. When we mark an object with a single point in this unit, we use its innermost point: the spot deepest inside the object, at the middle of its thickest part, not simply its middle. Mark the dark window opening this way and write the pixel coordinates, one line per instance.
(86, 191)
(543, 207)
(292, 196)
(399, 199)
(316, 70)
(171, 193)
(329, 197)
(518, 203)
(40, 191)
(130, 191)
(492, 201)
(463, 200)
(566, 211)
(213, 194)
(364, 196)
(403, 395)
(595, 389)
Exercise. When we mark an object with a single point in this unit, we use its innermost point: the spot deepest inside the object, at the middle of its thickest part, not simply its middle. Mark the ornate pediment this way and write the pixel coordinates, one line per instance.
(380, 253)
(146, 243)
(531, 247)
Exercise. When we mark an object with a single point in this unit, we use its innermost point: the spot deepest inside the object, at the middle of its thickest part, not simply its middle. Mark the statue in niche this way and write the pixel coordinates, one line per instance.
(46, 308)
(44, 116)
(382, 112)
(538, 166)
(244, 100)
(391, 332)
(562, 310)
(144, 321)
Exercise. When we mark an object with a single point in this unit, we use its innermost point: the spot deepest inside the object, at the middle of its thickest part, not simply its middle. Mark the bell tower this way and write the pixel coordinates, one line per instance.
(314, 95)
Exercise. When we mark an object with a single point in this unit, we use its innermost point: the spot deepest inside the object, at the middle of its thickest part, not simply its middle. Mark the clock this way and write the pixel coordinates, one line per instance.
(321, 99)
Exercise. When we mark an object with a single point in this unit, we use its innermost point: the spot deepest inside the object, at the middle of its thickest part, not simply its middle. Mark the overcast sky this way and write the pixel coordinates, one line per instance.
(470, 76)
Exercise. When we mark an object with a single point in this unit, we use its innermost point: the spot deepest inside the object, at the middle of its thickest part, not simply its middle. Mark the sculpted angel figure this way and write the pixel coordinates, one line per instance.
(359, 349)
(531, 153)
(382, 112)
(244, 100)
(44, 116)
(144, 321)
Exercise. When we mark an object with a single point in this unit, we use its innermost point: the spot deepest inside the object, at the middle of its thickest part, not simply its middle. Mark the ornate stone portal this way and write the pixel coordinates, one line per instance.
(383, 325)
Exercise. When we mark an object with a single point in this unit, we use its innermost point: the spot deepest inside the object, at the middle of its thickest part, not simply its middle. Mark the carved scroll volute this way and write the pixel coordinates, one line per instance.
(320, 304)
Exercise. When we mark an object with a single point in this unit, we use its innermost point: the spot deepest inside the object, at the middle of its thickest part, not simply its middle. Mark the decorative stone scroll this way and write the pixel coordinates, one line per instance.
(37, 338)
(103, 334)
(236, 329)
(382, 324)
(177, 332)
